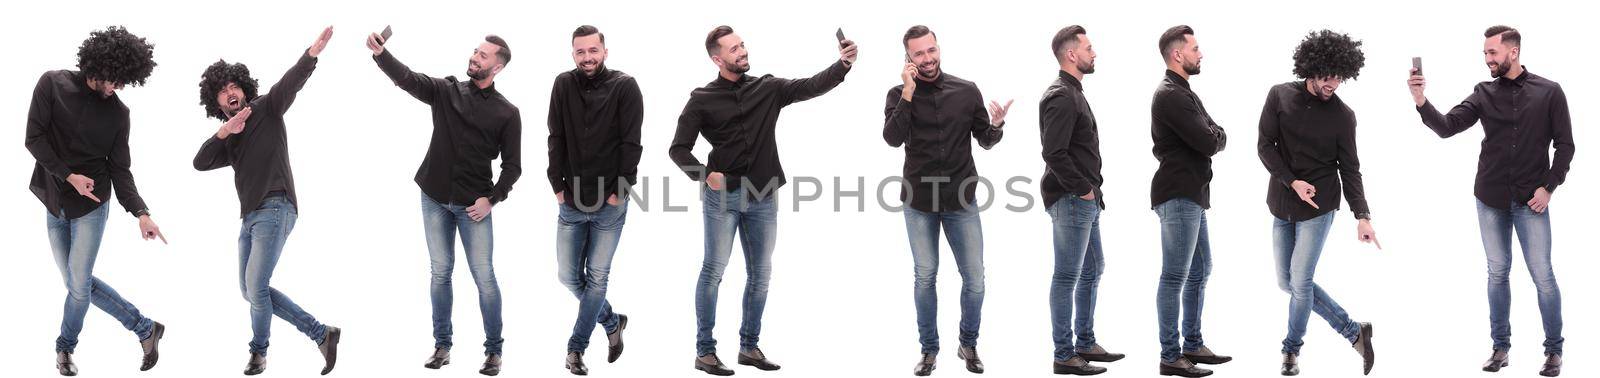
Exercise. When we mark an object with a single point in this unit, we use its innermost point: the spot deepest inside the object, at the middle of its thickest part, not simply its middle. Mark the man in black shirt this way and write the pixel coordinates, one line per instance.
(1523, 115)
(1185, 139)
(256, 146)
(78, 136)
(1072, 196)
(936, 116)
(1308, 145)
(595, 118)
(472, 124)
(737, 114)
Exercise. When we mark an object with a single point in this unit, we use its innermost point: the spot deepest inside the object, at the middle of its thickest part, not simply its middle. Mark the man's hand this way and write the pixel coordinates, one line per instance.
(375, 43)
(561, 197)
(321, 42)
(997, 113)
(847, 52)
(479, 209)
(1365, 233)
(613, 201)
(148, 229)
(1540, 201)
(1417, 84)
(714, 180)
(234, 125)
(909, 77)
(1088, 197)
(84, 185)
(1306, 192)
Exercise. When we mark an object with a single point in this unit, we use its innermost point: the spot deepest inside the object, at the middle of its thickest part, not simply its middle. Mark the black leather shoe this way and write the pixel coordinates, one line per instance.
(1291, 364)
(64, 364)
(152, 347)
(1183, 368)
(256, 365)
(1497, 360)
(1077, 365)
(330, 349)
(1095, 353)
(440, 358)
(615, 339)
(759, 360)
(925, 366)
(1552, 365)
(1363, 345)
(491, 365)
(970, 355)
(1204, 355)
(712, 365)
(575, 364)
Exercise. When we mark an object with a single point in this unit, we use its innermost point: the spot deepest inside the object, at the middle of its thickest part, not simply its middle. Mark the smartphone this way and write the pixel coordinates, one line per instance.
(1416, 64)
(384, 36)
(839, 34)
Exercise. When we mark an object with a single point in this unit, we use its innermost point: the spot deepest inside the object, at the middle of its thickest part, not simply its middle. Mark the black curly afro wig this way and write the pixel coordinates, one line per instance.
(1325, 53)
(217, 76)
(117, 56)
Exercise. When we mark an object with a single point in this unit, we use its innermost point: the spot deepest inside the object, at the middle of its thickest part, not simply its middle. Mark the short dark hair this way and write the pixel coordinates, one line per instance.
(116, 56)
(588, 30)
(1508, 35)
(217, 76)
(505, 50)
(1172, 38)
(1068, 36)
(716, 33)
(1325, 53)
(916, 32)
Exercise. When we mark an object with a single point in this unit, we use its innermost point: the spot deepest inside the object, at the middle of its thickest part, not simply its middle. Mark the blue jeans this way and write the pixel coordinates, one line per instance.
(756, 222)
(261, 240)
(964, 232)
(75, 243)
(1296, 247)
(1533, 230)
(1185, 265)
(440, 223)
(1075, 225)
(585, 244)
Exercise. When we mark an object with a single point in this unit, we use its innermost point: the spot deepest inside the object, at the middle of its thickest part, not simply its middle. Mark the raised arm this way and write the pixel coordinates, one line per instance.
(423, 87)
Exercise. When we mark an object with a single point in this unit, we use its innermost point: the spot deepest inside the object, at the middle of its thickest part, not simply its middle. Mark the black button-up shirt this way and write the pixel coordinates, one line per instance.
(594, 135)
(1522, 118)
(470, 127)
(937, 127)
(259, 155)
(1185, 139)
(1071, 141)
(1305, 138)
(738, 119)
(72, 129)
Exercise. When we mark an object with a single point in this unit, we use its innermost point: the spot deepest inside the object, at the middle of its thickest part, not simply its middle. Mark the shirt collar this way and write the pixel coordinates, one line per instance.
(1073, 80)
(722, 82)
(485, 92)
(1176, 78)
(1519, 81)
(600, 76)
(936, 83)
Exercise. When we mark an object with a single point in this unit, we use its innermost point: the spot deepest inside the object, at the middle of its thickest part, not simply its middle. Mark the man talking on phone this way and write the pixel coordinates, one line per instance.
(936, 116)
(738, 114)
(1523, 116)
(472, 125)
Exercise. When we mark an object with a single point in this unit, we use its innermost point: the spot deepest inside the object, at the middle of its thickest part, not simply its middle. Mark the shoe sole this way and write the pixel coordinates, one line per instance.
(701, 368)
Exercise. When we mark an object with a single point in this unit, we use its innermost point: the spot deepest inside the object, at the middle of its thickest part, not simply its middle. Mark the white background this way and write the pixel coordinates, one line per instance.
(841, 292)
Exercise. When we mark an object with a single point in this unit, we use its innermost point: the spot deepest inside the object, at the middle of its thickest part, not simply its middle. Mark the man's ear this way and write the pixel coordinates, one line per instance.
(498, 67)
(717, 60)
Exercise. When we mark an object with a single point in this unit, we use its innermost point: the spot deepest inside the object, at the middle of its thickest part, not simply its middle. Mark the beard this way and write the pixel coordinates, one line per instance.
(740, 68)
(1086, 67)
(1500, 69)
(477, 73)
(929, 71)
(1191, 69)
(591, 71)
